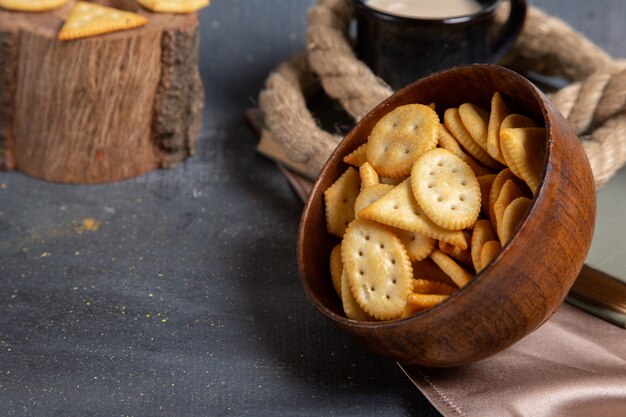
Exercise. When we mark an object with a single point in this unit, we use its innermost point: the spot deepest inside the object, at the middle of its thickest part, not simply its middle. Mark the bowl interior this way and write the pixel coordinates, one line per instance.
(451, 88)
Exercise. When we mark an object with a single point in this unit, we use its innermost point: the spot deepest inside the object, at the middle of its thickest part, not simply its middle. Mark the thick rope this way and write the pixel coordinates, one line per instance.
(594, 104)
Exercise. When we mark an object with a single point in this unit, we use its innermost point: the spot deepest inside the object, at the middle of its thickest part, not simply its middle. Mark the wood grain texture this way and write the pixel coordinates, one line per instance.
(98, 109)
(529, 278)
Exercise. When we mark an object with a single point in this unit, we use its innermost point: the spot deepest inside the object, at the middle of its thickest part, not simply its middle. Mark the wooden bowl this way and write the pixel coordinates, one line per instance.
(523, 286)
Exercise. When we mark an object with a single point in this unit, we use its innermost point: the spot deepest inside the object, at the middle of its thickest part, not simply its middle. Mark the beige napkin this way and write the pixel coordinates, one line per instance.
(572, 366)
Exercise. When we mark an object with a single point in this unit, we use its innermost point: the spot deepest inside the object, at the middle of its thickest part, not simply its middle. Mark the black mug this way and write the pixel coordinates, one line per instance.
(402, 49)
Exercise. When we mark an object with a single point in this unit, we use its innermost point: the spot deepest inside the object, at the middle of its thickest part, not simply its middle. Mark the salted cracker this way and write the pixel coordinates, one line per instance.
(31, 5)
(453, 122)
(370, 194)
(488, 253)
(368, 175)
(399, 209)
(174, 6)
(475, 120)
(377, 267)
(483, 232)
(357, 157)
(336, 268)
(339, 201)
(449, 143)
(90, 19)
(499, 111)
(459, 275)
(513, 215)
(400, 137)
(446, 189)
(524, 151)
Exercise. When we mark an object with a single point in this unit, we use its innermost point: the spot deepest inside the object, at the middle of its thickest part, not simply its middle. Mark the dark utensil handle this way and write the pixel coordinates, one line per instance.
(511, 28)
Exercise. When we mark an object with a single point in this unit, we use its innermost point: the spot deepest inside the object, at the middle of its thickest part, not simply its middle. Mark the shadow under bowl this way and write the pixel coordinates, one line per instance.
(528, 280)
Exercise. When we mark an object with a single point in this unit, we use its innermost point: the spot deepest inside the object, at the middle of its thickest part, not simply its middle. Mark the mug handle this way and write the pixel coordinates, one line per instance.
(511, 28)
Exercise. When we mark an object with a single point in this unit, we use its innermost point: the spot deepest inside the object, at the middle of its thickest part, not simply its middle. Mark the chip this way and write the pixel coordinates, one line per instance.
(446, 189)
(400, 137)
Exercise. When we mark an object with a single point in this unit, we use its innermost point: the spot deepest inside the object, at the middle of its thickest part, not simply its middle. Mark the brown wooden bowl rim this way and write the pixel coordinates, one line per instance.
(541, 101)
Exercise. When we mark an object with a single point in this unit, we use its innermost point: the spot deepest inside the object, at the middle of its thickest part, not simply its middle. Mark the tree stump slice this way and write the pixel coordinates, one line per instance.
(98, 109)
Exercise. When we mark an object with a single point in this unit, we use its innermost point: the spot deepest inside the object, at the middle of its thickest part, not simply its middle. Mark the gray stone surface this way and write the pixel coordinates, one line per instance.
(186, 300)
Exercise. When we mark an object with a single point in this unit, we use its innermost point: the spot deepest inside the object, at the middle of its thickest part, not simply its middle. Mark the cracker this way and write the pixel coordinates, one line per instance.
(174, 6)
(513, 215)
(370, 194)
(368, 175)
(488, 253)
(483, 232)
(357, 157)
(462, 255)
(485, 182)
(400, 137)
(336, 268)
(498, 182)
(517, 121)
(449, 143)
(377, 267)
(453, 122)
(427, 269)
(392, 181)
(419, 302)
(524, 151)
(446, 189)
(417, 246)
(475, 120)
(339, 199)
(31, 5)
(399, 209)
(510, 191)
(499, 111)
(425, 286)
(350, 306)
(459, 275)
(90, 19)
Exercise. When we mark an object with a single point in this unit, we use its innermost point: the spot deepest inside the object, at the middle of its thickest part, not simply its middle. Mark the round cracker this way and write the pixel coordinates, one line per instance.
(368, 175)
(499, 111)
(339, 201)
(453, 122)
(352, 309)
(448, 142)
(336, 268)
(524, 151)
(513, 215)
(400, 137)
(377, 267)
(482, 233)
(476, 121)
(425, 286)
(418, 246)
(31, 5)
(459, 275)
(446, 189)
(488, 253)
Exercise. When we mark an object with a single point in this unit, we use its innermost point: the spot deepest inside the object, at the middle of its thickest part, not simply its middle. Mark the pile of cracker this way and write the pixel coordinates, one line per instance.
(91, 19)
(425, 205)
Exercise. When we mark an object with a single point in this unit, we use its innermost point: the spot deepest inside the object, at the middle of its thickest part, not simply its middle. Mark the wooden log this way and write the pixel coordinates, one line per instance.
(98, 109)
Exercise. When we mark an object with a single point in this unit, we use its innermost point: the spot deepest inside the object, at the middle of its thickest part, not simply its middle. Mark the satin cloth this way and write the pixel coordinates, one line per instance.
(572, 366)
